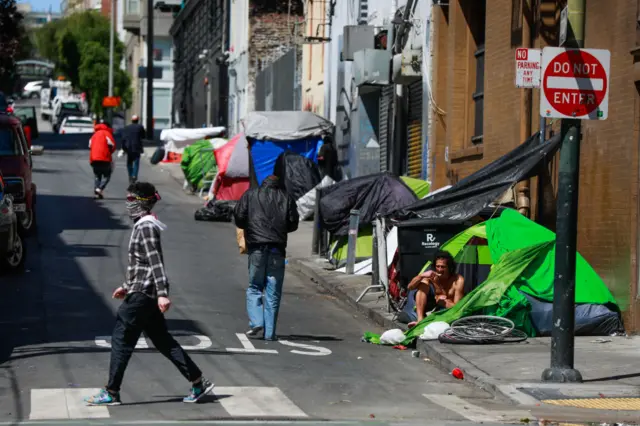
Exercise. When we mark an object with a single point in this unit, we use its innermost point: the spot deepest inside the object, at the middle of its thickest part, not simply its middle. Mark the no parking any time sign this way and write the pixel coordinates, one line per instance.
(575, 83)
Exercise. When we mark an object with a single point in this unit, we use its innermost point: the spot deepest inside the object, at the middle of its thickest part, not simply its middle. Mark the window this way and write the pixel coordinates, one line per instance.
(162, 108)
(162, 49)
(478, 9)
(133, 7)
(9, 143)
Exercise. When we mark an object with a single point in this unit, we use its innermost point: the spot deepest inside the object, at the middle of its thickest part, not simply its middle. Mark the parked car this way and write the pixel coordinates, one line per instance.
(16, 166)
(12, 248)
(76, 124)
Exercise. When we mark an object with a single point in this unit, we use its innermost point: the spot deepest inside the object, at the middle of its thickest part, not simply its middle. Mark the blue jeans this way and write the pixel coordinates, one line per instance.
(266, 274)
(133, 165)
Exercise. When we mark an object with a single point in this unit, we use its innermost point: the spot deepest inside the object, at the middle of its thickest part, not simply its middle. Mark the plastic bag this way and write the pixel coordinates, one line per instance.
(241, 243)
(392, 337)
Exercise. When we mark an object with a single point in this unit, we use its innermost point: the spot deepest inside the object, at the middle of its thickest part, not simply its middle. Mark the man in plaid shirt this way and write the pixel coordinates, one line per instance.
(145, 297)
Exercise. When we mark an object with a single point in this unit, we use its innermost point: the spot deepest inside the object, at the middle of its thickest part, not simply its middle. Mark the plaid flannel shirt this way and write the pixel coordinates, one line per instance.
(145, 272)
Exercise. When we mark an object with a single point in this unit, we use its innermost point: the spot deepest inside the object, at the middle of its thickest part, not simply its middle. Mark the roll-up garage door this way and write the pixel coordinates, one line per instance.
(386, 100)
(414, 130)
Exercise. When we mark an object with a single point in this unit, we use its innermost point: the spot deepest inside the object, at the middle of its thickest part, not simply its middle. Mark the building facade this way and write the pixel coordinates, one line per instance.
(134, 23)
(479, 115)
(263, 46)
(317, 25)
(200, 38)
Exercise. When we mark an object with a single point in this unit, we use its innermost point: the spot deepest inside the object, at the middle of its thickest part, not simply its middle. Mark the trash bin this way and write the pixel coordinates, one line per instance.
(418, 242)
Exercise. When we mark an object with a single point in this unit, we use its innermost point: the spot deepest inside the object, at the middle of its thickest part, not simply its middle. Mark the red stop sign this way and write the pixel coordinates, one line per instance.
(574, 83)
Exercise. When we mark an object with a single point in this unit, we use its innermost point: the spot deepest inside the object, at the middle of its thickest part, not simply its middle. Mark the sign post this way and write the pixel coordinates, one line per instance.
(574, 87)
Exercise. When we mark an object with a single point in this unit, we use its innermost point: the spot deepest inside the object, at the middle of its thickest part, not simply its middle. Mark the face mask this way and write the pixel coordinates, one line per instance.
(138, 207)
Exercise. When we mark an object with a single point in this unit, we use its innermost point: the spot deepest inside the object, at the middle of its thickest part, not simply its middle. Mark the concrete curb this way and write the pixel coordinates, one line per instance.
(333, 287)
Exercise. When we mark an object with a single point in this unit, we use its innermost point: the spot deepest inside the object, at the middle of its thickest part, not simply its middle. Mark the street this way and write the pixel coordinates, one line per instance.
(57, 318)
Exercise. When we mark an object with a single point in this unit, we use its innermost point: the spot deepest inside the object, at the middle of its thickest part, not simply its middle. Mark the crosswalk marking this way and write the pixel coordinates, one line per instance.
(475, 413)
(248, 401)
(62, 403)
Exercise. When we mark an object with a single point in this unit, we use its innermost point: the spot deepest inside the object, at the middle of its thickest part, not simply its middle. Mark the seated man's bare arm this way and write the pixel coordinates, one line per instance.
(459, 289)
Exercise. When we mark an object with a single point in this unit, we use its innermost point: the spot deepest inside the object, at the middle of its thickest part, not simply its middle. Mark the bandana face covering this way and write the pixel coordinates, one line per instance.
(139, 206)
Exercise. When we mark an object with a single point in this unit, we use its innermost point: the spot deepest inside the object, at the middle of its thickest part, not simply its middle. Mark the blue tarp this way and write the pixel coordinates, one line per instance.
(265, 152)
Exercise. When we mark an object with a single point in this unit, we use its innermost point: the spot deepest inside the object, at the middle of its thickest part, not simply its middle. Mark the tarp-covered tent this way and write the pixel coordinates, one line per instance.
(198, 161)
(300, 174)
(270, 133)
(364, 242)
(374, 194)
(176, 140)
(232, 180)
(523, 256)
(472, 194)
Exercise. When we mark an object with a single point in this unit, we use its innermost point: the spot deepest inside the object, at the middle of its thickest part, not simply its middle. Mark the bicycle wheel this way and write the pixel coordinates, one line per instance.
(482, 327)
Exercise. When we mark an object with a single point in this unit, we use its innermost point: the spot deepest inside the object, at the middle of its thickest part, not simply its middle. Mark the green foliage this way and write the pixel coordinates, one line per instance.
(11, 33)
(79, 46)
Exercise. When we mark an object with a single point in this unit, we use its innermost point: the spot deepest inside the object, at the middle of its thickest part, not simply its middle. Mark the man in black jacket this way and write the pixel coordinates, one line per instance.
(132, 136)
(267, 214)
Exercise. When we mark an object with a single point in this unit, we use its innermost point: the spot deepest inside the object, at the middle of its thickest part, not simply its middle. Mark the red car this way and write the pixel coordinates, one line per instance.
(16, 165)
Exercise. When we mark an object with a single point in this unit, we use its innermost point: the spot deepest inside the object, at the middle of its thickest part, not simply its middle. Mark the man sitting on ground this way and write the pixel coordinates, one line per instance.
(442, 284)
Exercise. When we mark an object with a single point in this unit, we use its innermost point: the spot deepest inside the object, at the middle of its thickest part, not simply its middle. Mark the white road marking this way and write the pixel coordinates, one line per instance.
(63, 403)
(102, 342)
(203, 343)
(247, 346)
(315, 350)
(257, 401)
(473, 412)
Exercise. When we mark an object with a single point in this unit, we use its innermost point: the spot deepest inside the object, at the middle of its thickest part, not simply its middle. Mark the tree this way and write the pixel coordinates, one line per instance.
(11, 31)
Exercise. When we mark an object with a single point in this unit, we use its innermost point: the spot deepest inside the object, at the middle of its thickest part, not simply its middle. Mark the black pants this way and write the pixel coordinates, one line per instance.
(102, 173)
(139, 313)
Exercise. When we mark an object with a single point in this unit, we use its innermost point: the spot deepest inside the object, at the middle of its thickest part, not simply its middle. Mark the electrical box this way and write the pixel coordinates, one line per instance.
(407, 66)
(356, 37)
(371, 67)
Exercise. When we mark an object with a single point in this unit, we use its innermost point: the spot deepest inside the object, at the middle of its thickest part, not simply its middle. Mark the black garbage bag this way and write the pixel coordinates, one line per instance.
(216, 211)
(300, 175)
(157, 156)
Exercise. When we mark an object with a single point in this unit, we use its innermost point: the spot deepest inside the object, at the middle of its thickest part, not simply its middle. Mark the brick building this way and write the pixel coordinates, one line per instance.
(482, 115)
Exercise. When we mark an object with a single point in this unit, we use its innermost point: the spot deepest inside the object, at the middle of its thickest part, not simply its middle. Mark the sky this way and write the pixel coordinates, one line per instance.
(43, 5)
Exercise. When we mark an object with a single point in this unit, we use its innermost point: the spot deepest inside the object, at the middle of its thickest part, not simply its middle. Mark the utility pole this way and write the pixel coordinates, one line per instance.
(564, 286)
(111, 41)
(149, 126)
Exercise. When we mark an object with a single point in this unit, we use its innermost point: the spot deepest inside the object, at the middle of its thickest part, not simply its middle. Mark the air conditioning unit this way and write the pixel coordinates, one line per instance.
(356, 37)
(407, 66)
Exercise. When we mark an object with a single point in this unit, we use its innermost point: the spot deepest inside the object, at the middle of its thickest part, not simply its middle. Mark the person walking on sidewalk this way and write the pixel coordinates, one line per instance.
(145, 295)
(132, 136)
(267, 214)
(101, 148)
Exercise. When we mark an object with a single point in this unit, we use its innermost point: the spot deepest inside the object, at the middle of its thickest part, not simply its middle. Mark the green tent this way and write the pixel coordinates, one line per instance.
(364, 242)
(198, 161)
(521, 255)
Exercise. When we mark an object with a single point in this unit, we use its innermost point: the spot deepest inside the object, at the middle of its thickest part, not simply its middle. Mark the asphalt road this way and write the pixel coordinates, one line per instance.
(56, 318)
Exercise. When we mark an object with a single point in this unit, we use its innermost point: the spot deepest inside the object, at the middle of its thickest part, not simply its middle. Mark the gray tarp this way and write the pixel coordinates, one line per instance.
(285, 125)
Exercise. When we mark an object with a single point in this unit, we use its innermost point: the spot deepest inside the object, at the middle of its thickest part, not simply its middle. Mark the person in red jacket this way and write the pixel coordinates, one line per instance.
(102, 146)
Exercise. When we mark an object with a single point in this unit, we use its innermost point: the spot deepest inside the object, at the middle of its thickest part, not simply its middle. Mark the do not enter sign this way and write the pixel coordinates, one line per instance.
(575, 83)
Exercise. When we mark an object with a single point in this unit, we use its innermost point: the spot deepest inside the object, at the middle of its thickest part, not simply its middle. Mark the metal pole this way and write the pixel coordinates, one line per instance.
(354, 220)
(543, 129)
(149, 126)
(315, 239)
(562, 336)
(111, 52)
(375, 261)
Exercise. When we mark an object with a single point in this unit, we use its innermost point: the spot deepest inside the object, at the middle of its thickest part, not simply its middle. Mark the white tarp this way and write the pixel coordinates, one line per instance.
(307, 202)
(285, 125)
(186, 137)
(365, 267)
(172, 147)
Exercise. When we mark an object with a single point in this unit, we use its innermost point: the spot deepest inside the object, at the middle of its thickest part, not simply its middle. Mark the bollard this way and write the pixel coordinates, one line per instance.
(354, 220)
(375, 260)
(317, 224)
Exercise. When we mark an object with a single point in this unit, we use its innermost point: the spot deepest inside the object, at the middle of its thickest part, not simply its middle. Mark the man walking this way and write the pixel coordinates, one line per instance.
(145, 297)
(132, 136)
(267, 214)
(102, 146)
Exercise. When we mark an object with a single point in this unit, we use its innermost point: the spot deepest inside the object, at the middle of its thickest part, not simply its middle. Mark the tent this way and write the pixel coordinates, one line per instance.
(299, 174)
(270, 133)
(231, 181)
(199, 162)
(374, 194)
(364, 242)
(522, 256)
(476, 192)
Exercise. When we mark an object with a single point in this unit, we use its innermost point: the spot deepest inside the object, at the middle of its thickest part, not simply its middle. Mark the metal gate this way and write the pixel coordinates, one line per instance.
(414, 130)
(386, 101)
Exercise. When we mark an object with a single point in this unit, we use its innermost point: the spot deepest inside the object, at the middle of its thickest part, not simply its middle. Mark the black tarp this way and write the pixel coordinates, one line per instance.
(380, 193)
(301, 174)
(468, 197)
